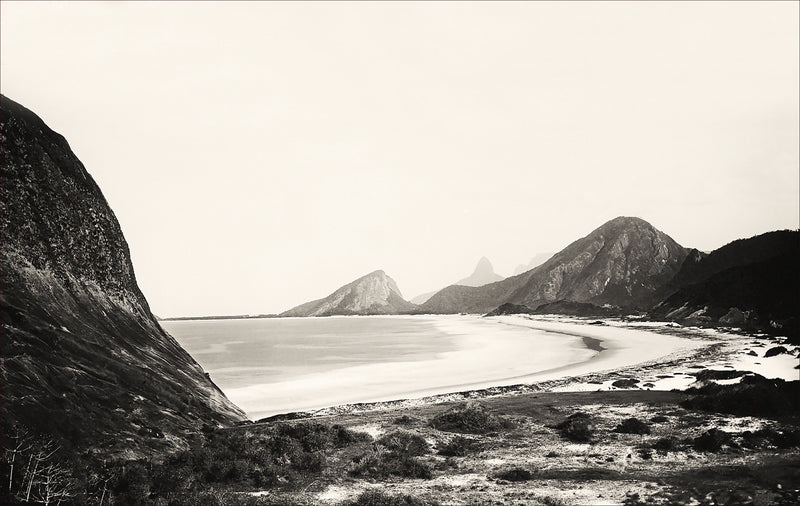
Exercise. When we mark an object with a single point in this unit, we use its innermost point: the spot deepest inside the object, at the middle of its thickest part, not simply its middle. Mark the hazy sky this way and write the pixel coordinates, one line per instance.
(259, 155)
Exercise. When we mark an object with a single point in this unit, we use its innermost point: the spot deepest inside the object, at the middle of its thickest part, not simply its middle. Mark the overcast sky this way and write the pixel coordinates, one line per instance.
(260, 154)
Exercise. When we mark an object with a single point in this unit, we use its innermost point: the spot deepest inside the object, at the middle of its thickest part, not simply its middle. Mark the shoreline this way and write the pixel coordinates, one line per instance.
(613, 362)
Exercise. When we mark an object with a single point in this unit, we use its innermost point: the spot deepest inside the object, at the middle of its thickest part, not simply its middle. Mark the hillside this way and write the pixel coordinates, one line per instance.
(84, 359)
(750, 282)
(375, 293)
(622, 263)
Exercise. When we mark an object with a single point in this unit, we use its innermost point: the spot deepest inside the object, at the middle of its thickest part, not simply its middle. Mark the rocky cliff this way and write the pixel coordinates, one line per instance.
(375, 293)
(83, 358)
(622, 263)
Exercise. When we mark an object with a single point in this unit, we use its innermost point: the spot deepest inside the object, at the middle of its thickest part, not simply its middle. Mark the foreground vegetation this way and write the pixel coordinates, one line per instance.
(734, 444)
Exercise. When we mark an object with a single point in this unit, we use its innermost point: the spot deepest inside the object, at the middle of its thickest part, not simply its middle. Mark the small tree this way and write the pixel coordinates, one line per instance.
(19, 442)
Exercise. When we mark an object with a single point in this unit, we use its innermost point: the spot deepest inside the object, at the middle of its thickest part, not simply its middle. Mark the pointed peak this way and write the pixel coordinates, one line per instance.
(484, 265)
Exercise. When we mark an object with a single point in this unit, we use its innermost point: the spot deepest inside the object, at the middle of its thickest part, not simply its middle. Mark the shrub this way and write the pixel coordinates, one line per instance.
(316, 436)
(577, 427)
(460, 446)
(625, 383)
(659, 419)
(404, 420)
(666, 444)
(375, 497)
(711, 440)
(380, 464)
(633, 426)
(469, 418)
(406, 443)
(754, 396)
(777, 350)
(515, 474)
(767, 436)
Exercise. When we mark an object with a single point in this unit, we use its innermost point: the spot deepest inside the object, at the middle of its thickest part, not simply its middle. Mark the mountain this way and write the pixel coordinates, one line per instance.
(375, 293)
(83, 359)
(536, 261)
(622, 263)
(752, 283)
(482, 275)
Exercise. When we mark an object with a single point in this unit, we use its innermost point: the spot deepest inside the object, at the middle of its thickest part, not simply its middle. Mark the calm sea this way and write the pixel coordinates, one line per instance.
(269, 366)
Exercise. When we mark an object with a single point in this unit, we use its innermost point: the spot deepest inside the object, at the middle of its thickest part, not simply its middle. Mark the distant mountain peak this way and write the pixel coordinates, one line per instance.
(373, 293)
(482, 275)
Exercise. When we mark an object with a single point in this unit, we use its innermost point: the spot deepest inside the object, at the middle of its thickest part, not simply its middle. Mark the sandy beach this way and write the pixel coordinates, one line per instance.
(548, 353)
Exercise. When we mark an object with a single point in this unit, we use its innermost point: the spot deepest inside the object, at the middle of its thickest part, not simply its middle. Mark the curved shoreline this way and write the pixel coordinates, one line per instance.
(602, 350)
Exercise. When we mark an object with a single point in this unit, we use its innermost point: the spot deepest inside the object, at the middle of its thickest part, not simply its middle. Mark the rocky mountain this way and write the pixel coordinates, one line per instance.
(752, 283)
(536, 261)
(83, 358)
(482, 275)
(622, 263)
(375, 293)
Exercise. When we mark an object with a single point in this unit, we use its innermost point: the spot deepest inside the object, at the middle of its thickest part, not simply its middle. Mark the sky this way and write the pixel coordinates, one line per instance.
(261, 154)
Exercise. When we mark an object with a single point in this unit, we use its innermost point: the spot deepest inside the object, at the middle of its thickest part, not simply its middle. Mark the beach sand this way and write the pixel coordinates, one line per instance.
(513, 353)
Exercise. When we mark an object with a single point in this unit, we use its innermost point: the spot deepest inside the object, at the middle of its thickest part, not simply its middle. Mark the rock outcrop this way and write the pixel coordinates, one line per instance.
(373, 294)
(83, 358)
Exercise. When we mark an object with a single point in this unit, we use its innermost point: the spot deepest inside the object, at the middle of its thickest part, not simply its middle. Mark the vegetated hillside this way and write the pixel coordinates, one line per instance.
(753, 283)
(83, 359)
(622, 263)
(700, 266)
(482, 275)
(373, 294)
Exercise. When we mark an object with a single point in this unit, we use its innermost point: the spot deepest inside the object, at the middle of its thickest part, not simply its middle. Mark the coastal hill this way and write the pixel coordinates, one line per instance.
(748, 283)
(622, 263)
(482, 275)
(84, 359)
(375, 293)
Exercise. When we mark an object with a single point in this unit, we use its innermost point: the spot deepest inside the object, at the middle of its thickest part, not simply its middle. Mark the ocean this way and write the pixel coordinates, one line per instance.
(278, 365)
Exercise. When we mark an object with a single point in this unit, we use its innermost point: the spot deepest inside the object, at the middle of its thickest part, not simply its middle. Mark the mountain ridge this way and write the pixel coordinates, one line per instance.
(620, 263)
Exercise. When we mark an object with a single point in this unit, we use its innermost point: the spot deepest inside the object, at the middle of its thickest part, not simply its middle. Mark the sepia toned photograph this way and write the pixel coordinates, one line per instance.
(399, 253)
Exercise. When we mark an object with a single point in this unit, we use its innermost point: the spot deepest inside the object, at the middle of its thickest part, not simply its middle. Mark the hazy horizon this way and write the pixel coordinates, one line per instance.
(259, 155)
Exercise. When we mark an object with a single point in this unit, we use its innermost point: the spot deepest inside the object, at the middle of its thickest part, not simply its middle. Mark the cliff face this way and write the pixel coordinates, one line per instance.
(622, 263)
(83, 356)
(375, 293)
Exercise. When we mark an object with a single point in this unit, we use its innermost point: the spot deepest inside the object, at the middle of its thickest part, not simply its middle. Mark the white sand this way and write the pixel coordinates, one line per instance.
(500, 351)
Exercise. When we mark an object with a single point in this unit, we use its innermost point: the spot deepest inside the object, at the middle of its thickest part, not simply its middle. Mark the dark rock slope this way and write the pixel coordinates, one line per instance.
(373, 294)
(752, 283)
(83, 358)
(622, 263)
